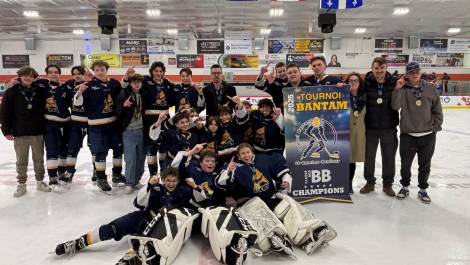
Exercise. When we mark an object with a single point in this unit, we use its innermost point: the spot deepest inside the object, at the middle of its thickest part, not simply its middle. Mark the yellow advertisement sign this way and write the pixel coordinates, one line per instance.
(241, 61)
(112, 59)
(308, 46)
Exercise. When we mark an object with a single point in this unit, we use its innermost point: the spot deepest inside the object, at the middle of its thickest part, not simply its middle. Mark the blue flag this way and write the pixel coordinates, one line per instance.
(353, 3)
(327, 4)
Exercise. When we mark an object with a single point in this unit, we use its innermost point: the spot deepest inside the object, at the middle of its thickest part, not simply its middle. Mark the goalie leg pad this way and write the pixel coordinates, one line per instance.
(272, 235)
(164, 236)
(230, 235)
(302, 225)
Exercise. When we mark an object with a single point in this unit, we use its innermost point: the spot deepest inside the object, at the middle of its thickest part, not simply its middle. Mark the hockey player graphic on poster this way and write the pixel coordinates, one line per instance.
(314, 130)
(317, 142)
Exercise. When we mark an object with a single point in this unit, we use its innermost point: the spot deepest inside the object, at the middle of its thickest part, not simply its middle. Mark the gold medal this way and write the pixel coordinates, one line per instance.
(356, 113)
(418, 102)
(380, 101)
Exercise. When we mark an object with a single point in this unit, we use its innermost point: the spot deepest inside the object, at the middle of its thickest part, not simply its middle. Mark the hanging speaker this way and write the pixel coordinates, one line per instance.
(105, 43)
(183, 44)
(29, 43)
(413, 42)
(335, 43)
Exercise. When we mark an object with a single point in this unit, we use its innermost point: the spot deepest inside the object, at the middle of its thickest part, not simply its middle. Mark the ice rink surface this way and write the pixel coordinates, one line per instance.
(375, 229)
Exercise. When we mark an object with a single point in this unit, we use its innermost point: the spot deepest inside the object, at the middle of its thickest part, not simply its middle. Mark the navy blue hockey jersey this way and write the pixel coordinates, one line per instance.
(98, 101)
(58, 100)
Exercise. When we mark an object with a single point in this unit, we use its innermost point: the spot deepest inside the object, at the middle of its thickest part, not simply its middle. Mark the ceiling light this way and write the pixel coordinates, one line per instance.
(172, 31)
(31, 13)
(360, 30)
(276, 12)
(153, 12)
(401, 11)
(78, 32)
(453, 30)
(265, 31)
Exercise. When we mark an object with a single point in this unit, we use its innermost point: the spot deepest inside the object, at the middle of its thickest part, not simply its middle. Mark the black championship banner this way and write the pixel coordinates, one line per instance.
(62, 60)
(15, 61)
(210, 46)
(317, 142)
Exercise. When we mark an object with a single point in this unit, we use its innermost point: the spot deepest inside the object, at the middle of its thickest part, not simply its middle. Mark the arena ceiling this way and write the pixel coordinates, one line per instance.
(210, 18)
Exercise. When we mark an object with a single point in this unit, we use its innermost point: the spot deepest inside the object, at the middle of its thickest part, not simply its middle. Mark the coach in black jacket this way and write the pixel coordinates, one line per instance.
(381, 126)
(215, 94)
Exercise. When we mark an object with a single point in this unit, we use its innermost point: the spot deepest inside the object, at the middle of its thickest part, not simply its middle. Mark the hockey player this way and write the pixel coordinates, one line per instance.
(259, 178)
(229, 136)
(188, 95)
(97, 98)
(230, 235)
(174, 140)
(58, 100)
(262, 175)
(273, 82)
(78, 125)
(267, 124)
(210, 133)
(315, 131)
(294, 77)
(156, 202)
(319, 76)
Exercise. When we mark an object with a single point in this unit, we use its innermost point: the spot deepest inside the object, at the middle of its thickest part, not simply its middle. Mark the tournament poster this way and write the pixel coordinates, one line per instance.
(317, 142)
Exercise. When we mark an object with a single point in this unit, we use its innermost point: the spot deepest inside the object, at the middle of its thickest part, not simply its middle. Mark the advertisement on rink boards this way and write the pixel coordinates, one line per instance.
(317, 142)
(136, 60)
(161, 46)
(240, 61)
(295, 46)
(132, 46)
(388, 45)
(459, 45)
(432, 45)
(455, 102)
(302, 60)
(238, 46)
(190, 60)
(15, 61)
(439, 59)
(281, 46)
(396, 60)
(62, 60)
(112, 59)
(210, 46)
(308, 46)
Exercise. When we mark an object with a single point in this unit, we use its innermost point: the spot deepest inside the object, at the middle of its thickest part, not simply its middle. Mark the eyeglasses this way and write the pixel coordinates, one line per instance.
(216, 73)
(353, 81)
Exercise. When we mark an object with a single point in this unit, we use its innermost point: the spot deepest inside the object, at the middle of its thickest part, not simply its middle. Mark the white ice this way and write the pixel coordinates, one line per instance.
(375, 229)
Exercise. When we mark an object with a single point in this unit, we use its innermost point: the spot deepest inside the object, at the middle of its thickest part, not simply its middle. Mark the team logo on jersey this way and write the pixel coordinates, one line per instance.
(205, 187)
(227, 140)
(248, 135)
(260, 182)
(184, 104)
(260, 137)
(51, 104)
(161, 99)
(312, 140)
(210, 147)
(108, 104)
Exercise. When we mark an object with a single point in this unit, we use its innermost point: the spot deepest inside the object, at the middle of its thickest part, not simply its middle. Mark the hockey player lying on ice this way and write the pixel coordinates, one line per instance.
(161, 208)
